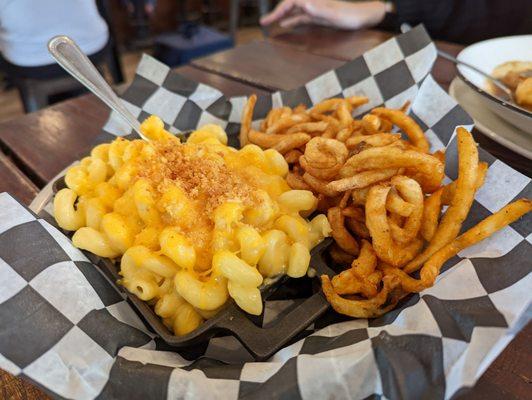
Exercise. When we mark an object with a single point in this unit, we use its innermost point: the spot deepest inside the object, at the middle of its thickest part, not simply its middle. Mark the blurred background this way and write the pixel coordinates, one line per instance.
(115, 33)
(174, 31)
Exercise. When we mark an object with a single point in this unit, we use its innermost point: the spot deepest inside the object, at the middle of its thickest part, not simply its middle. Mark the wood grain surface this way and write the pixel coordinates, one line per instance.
(229, 87)
(509, 377)
(13, 181)
(37, 146)
(45, 142)
(267, 65)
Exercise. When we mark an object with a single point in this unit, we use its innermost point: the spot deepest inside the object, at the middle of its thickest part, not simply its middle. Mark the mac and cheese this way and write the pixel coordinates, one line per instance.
(194, 223)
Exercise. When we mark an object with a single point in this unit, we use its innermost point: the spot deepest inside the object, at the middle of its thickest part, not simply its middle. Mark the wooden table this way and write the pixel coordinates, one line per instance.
(38, 146)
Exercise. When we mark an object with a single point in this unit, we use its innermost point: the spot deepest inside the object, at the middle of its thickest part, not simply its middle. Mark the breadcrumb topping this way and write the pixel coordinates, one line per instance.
(199, 170)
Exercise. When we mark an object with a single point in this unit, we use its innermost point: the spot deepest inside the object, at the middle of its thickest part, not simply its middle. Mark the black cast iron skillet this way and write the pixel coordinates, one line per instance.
(260, 342)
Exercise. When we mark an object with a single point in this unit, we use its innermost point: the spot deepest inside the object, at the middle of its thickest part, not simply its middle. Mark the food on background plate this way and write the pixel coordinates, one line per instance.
(192, 224)
(516, 75)
(383, 193)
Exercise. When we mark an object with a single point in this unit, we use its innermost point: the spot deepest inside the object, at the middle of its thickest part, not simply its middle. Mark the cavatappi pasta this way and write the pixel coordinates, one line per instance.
(193, 223)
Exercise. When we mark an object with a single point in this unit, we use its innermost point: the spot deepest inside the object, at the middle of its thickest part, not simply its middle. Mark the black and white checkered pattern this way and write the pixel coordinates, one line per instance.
(64, 327)
(181, 103)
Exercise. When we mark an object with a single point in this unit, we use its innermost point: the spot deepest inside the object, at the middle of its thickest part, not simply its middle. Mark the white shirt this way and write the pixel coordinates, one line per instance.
(27, 25)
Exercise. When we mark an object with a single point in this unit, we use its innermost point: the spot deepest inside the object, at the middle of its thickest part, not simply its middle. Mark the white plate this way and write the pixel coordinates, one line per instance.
(487, 55)
(489, 123)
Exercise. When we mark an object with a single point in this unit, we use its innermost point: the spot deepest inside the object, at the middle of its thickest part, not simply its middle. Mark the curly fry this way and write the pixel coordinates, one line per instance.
(371, 124)
(320, 173)
(405, 106)
(291, 142)
(264, 124)
(327, 106)
(450, 189)
(408, 284)
(396, 205)
(458, 210)
(389, 157)
(272, 115)
(356, 128)
(308, 127)
(354, 212)
(359, 196)
(330, 133)
(247, 119)
(265, 140)
(275, 114)
(349, 284)
(431, 214)
(360, 308)
(355, 279)
(325, 153)
(331, 121)
(411, 191)
(344, 200)
(323, 157)
(343, 134)
(287, 122)
(431, 269)
(340, 234)
(376, 140)
(343, 112)
(300, 108)
(386, 126)
(295, 181)
(366, 262)
(406, 124)
(358, 228)
(325, 202)
(362, 179)
(396, 219)
(440, 155)
(357, 101)
(292, 156)
(318, 185)
(377, 222)
(285, 112)
(480, 231)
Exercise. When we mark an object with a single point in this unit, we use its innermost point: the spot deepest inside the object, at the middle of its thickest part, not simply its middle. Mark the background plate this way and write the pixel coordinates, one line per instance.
(488, 123)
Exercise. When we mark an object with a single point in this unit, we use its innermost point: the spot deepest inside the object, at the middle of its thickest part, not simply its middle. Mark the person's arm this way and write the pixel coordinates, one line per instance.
(339, 14)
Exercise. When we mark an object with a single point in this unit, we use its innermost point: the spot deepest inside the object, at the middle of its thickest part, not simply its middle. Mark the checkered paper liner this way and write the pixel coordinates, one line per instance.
(66, 328)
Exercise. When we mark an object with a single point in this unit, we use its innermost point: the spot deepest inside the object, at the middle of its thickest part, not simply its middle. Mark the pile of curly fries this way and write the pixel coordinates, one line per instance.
(383, 194)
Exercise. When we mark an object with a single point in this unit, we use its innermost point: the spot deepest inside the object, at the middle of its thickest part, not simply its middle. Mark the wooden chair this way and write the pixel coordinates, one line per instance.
(234, 12)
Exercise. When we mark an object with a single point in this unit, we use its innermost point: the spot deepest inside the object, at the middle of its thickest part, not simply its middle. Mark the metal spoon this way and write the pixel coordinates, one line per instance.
(500, 85)
(68, 54)
(505, 89)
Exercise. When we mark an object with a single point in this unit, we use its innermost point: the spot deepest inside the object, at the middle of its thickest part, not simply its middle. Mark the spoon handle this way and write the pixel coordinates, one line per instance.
(67, 54)
(495, 81)
(405, 27)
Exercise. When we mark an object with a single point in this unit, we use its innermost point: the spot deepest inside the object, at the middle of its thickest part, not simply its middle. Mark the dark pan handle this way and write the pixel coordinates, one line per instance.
(262, 343)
